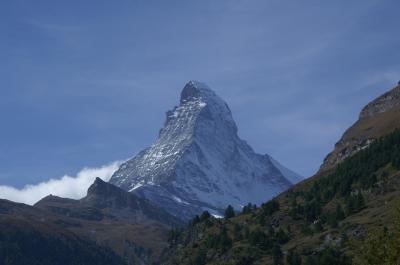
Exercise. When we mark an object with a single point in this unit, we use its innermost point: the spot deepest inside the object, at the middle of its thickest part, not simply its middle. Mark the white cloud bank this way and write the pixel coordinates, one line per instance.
(66, 186)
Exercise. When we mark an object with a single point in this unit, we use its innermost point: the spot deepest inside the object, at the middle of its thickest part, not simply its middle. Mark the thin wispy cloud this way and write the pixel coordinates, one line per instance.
(53, 26)
(390, 77)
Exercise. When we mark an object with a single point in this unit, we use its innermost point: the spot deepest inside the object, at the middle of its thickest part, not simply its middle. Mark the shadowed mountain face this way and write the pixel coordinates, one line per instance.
(108, 226)
(199, 163)
(378, 118)
(30, 236)
(104, 200)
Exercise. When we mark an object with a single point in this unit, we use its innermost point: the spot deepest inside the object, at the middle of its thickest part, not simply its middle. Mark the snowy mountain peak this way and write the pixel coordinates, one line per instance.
(199, 163)
(196, 89)
(199, 94)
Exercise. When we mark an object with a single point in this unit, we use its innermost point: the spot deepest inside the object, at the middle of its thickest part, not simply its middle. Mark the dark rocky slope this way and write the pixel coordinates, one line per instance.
(108, 226)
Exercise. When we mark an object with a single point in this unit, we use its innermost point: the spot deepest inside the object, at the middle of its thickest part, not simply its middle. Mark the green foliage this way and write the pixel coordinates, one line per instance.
(306, 230)
(259, 239)
(329, 256)
(339, 212)
(249, 208)
(312, 210)
(270, 207)
(200, 257)
(37, 247)
(347, 181)
(204, 216)
(382, 246)
(173, 235)
(359, 170)
(195, 220)
(318, 226)
(293, 258)
(220, 241)
(277, 255)
(237, 232)
(329, 200)
(244, 255)
(333, 218)
(229, 212)
(396, 161)
(354, 203)
(281, 236)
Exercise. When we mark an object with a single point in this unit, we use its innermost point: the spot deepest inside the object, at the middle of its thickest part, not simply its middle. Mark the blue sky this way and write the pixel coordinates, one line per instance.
(84, 83)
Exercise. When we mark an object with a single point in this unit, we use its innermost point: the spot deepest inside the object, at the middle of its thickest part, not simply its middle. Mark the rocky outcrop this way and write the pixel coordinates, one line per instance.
(384, 103)
(378, 118)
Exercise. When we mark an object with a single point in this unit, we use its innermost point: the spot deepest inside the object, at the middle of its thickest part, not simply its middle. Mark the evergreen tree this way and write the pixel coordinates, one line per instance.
(293, 258)
(270, 207)
(200, 257)
(360, 202)
(195, 220)
(329, 256)
(277, 255)
(282, 237)
(349, 205)
(249, 208)
(339, 212)
(225, 242)
(382, 246)
(204, 216)
(229, 212)
(318, 226)
(237, 232)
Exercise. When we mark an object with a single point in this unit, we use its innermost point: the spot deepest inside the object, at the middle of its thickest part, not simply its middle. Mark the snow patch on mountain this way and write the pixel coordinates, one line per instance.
(199, 163)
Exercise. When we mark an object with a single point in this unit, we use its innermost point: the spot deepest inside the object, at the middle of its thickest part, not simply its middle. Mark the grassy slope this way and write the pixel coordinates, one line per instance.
(193, 246)
(27, 240)
(87, 227)
(373, 127)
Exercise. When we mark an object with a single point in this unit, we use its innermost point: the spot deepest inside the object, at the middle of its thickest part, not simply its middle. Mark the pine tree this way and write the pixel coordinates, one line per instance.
(225, 242)
(339, 212)
(277, 255)
(195, 220)
(204, 216)
(360, 202)
(382, 246)
(293, 258)
(237, 232)
(249, 208)
(200, 257)
(229, 212)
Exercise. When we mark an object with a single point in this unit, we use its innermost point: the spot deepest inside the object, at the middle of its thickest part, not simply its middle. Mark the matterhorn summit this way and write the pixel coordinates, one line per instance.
(199, 163)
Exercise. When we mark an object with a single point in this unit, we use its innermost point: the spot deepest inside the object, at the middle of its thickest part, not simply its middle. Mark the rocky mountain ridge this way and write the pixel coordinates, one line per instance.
(199, 163)
(108, 226)
(376, 119)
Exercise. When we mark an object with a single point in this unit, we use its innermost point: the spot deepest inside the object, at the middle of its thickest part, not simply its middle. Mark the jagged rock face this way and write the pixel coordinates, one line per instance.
(135, 230)
(124, 205)
(106, 201)
(382, 104)
(378, 118)
(199, 163)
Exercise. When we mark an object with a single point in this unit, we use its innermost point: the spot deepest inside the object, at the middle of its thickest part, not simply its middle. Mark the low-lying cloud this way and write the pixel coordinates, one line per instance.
(73, 187)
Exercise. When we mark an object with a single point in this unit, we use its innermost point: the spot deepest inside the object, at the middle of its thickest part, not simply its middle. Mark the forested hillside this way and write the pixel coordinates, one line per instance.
(323, 220)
